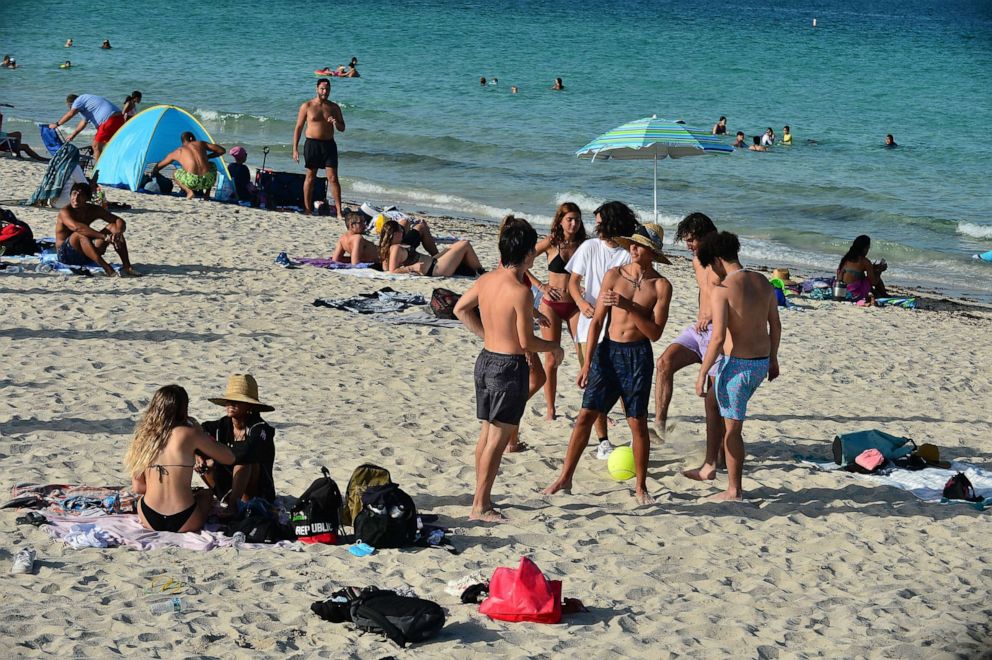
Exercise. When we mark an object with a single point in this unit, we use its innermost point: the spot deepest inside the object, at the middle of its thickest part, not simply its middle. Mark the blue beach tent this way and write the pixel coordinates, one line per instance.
(147, 138)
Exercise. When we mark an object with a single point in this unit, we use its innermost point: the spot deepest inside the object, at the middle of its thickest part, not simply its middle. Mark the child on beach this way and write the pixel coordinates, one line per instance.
(499, 308)
(747, 330)
(161, 460)
(633, 305)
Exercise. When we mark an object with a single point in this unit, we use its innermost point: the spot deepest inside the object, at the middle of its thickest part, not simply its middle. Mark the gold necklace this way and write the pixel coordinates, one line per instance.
(637, 282)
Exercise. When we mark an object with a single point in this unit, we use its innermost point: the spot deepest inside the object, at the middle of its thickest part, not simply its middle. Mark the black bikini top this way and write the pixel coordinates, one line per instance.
(557, 265)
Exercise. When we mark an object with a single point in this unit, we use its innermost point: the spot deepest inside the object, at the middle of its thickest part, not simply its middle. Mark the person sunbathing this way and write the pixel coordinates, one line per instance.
(459, 259)
(78, 244)
(861, 276)
(161, 459)
(249, 437)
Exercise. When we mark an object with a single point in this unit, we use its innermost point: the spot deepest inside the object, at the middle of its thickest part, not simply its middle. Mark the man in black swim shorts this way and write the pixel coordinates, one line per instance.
(499, 308)
(319, 150)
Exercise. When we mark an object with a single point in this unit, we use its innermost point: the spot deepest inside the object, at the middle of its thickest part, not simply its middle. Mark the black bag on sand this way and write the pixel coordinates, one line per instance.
(959, 487)
(316, 516)
(16, 237)
(388, 518)
(337, 608)
(364, 477)
(403, 619)
(260, 529)
(443, 303)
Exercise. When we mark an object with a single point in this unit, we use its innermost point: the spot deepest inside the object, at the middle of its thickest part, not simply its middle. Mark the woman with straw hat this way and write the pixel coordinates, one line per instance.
(161, 460)
(249, 437)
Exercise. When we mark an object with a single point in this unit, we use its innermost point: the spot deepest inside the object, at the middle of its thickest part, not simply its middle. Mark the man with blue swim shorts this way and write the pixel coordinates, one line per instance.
(633, 305)
(747, 331)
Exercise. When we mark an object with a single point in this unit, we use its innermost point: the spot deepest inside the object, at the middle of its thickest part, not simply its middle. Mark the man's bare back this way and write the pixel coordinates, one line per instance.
(356, 249)
(194, 157)
(501, 297)
(749, 301)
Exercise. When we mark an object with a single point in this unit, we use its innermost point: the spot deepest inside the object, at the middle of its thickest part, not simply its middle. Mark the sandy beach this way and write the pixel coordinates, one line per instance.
(814, 564)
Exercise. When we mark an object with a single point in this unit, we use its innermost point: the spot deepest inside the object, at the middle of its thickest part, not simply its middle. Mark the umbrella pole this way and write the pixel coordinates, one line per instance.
(656, 189)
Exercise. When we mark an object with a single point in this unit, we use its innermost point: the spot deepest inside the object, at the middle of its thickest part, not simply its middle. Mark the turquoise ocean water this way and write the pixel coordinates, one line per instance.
(423, 134)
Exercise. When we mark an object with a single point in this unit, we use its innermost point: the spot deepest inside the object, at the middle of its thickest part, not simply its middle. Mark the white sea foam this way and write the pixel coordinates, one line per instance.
(975, 230)
(589, 204)
(214, 115)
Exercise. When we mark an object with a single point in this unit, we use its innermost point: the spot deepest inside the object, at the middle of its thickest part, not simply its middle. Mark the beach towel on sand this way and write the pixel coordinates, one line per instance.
(384, 300)
(927, 485)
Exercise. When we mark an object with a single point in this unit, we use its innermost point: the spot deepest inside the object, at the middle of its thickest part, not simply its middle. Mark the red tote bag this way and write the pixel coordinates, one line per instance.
(523, 594)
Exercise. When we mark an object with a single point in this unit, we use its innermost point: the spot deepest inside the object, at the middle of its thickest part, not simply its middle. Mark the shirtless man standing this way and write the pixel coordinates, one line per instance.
(78, 244)
(499, 308)
(690, 346)
(319, 149)
(747, 330)
(633, 303)
(196, 173)
(353, 247)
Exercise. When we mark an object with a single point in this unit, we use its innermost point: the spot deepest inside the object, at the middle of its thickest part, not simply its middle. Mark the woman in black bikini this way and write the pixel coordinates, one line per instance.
(398, 256)
(567, 233)
(161, 460)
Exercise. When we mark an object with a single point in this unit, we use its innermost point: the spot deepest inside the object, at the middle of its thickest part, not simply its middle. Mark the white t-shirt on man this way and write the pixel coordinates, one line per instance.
(591, 260)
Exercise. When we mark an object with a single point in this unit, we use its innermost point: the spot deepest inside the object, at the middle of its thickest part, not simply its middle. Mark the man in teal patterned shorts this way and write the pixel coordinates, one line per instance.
(196, 174)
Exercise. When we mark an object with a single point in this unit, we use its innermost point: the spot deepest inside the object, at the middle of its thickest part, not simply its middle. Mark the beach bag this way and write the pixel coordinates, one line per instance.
(403, 619)
(523, 594)
(16, 237)
(388, 518)
(337, 608)
(365, 476)
(260, 528)
(847, 446)
(316, 516)
(443, 303)
(158, 184)
(959, 487)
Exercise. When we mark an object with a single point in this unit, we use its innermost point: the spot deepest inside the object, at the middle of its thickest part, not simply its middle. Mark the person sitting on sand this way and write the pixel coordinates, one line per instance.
(251, 440)
(352, 247)
(241, 177)
(78, 244)
(633, 306)
(196, 174)
(499, 308)
(566, 235)
(12, 142)
(459, 259)
(743, 348)
(861, 276)
(161, 460)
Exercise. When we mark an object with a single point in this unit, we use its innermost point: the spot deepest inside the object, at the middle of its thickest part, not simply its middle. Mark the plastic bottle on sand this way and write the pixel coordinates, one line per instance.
(173, 605)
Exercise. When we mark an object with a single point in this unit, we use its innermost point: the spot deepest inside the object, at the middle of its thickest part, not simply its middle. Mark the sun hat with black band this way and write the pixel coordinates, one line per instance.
(242, 388)
(651, 236)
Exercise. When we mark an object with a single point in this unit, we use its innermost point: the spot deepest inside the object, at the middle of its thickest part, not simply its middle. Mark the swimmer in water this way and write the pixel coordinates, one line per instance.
(68, 43)
(740, 143)
(890, 142)
(66, 65)
(559, 85)
(720, 127)
(786, 136)
(482, 81)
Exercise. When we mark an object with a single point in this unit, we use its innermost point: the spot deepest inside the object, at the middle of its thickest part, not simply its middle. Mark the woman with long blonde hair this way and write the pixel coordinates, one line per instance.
(161, 461)
(459, 259)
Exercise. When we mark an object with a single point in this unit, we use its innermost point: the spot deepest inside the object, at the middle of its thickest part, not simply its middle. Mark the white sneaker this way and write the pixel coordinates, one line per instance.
(604, 450)
(23, 562)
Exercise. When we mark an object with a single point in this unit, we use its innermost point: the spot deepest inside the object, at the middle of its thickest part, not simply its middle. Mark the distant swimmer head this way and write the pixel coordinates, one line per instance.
(559, 84)
(105, 44)
(513, 89)
(483, 81)
(65, 65)
(68, 43)
(890, 141)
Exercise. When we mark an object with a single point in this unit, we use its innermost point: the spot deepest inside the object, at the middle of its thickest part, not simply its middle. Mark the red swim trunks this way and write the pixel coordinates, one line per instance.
(107, 129)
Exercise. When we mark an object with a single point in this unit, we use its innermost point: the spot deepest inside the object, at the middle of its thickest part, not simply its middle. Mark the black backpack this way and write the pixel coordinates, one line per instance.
(260, 529)
(959, 487)
(388, 518)
(19, 240)
(403, 619)
(316, 516)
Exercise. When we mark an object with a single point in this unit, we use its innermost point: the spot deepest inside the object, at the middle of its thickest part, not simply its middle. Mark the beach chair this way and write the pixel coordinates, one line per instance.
(7, 143)
(53, 140)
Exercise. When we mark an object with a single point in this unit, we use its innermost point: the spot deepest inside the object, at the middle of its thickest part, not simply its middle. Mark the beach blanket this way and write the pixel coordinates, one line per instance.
(383, 301)
(906, 303)
(125, 530)
(48, 262)
(927, 484)
(329, 264)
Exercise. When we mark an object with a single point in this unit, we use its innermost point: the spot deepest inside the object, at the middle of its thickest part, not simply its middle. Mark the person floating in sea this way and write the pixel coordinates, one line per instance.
(746, 331)
(351, 72)
(482, 81)
(690, 346)
(95, 110)
(787, 136)
(78, 244)
(720, 127)
(66, 65)
(106, 44)
(633, 306)
(68, 43)
(321, 117)
(499, 308)
(161, 460)
(861, 276)
(559, 85)
(890, 142)
(195, 174)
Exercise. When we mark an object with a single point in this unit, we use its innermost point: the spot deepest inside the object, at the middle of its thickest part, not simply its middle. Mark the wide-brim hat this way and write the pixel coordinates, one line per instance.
(931, 454)
(651, 236)
(244, 389)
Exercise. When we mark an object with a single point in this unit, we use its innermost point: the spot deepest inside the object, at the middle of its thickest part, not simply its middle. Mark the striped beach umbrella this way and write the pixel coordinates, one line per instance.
(653, 139)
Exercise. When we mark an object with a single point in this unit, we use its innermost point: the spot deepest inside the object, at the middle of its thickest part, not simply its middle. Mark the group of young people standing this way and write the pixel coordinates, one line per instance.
(616, 304)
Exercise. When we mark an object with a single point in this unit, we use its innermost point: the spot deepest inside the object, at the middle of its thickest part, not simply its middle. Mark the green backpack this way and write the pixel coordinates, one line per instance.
(364, 477)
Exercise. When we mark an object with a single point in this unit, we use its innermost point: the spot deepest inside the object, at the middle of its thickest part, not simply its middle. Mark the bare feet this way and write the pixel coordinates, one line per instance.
(489, 515)
(551, 416)
(517, 447)
(727, 496)
(704, 473)
(130, 272)
(643, 498)
(557, 486)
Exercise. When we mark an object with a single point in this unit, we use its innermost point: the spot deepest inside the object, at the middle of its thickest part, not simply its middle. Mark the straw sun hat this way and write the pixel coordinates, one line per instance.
(242, 388)
(650, 236)
(782, 274)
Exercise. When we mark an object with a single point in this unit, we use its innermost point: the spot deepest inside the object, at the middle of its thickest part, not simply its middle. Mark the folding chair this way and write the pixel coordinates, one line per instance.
(53, 141)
